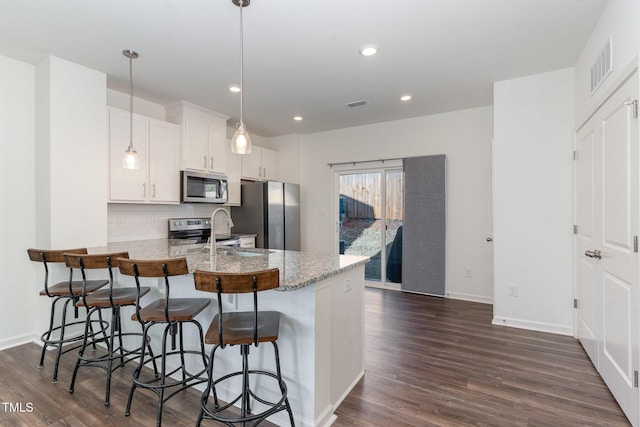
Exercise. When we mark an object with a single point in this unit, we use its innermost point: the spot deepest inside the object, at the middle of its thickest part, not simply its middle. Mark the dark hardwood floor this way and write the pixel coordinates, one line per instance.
(439, 362)
(429, 362)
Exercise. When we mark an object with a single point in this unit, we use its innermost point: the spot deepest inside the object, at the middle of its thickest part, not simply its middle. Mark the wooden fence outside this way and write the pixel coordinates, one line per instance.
(361, 196)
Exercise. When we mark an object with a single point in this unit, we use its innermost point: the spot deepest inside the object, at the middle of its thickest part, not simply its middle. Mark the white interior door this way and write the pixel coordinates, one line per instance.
(607, 267)
(587, 143)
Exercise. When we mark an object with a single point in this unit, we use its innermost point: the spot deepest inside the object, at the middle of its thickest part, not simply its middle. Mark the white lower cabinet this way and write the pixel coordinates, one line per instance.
(157, 144)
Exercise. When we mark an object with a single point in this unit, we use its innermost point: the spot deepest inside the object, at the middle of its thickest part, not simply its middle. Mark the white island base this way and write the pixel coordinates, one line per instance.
(321, 338)
(320, 343)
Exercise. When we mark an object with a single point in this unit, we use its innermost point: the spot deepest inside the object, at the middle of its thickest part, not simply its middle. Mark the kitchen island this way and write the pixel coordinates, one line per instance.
(322, 326)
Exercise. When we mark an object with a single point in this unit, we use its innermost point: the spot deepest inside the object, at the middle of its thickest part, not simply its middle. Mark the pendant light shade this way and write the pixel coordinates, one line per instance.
(130, 158)
(241, 142)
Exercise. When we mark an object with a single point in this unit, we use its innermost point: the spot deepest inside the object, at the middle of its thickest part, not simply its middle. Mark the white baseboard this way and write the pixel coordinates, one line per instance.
(533, 326)
(470, 297)
(326, 418)
(19, 340)
(348, 390)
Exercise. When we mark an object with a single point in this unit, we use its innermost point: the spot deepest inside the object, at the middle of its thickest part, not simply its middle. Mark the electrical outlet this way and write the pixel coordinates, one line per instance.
(468, 273)
(513, 290)
(230, 298)
(347, 285)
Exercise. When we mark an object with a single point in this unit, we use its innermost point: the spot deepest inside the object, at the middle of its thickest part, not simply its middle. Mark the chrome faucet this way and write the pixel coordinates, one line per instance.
(212, 246)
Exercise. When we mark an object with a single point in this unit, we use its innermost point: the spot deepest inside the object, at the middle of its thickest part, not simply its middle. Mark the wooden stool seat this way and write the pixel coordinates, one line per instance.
(237, 328)
(180, 310)
(62, 289)
(119, 296)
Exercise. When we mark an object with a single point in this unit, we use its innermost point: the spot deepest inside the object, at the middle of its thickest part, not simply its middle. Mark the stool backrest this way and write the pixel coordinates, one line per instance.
(236, 283)
(225, 283)
(161, 268)
(94, 262)
(46, 256)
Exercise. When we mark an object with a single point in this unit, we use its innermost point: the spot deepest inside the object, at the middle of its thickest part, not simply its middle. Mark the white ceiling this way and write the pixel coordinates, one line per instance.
(301, 56)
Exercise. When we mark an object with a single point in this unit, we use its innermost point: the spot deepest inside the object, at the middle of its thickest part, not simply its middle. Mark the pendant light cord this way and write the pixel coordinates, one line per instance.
(241, 63)
(130, 100)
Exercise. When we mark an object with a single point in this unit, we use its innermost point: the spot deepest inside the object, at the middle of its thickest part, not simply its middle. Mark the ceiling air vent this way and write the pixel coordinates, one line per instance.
(601, 69)
(356, 103)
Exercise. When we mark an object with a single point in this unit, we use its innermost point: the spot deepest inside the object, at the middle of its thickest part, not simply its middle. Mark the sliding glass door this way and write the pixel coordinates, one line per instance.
(371, 213)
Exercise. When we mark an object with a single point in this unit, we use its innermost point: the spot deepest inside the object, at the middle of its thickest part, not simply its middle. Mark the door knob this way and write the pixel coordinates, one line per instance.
(593, 254)
(489, 239)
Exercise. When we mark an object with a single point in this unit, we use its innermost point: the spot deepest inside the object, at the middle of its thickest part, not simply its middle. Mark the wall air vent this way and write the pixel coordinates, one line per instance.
(601, 69)
(356, 103)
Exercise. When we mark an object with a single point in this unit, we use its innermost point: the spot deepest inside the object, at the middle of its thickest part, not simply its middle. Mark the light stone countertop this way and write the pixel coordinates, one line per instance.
(297, 269)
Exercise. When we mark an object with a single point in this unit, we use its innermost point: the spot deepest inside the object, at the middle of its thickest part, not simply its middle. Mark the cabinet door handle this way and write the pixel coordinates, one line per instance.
(153, 191)
(144, 189)
(211, 160)
(205, 161)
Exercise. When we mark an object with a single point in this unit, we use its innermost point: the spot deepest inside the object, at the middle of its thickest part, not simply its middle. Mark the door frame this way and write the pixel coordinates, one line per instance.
(382, 167)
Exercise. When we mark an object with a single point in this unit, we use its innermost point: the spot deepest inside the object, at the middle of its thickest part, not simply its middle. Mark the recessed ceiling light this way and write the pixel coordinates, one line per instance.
(234, 88)
(297, 118)
(368, 50)
(405, 98)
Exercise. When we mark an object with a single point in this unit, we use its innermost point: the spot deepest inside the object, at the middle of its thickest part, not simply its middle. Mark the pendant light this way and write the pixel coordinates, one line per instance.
(241, 142)
(130, 159)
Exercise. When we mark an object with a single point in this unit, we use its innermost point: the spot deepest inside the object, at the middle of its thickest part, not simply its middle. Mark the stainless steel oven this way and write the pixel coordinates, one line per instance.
(197, 187)
(198, 230)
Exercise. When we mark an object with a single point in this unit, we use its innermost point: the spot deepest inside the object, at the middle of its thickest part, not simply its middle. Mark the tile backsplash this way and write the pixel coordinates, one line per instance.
(141, 222)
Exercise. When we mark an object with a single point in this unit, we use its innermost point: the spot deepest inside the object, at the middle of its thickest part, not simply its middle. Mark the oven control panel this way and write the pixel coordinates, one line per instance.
(182, 224)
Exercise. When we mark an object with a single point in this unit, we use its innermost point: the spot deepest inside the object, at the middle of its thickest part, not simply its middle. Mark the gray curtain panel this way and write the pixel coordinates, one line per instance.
(424, 225)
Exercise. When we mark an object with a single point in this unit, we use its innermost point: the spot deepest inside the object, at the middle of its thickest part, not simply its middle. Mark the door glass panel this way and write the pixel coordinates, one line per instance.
(361, 219)
(394, 215)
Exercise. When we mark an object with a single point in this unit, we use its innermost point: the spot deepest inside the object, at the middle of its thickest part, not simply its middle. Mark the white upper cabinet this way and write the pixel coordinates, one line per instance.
(164, 171)
(158, 178)
(204, 137)
(260, 164)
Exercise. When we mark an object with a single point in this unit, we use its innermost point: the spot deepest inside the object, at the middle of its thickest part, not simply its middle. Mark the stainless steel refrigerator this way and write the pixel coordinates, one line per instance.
(271, 211)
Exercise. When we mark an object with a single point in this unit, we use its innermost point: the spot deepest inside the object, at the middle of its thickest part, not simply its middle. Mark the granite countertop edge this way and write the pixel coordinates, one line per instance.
(297, 269)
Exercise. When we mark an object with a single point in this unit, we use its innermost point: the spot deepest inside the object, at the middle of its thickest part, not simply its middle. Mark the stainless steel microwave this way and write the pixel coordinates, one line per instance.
(198, 187)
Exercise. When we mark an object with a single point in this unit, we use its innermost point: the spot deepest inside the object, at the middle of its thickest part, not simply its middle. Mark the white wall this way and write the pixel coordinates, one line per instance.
(464, 136)
(71, 141)
(533, 201)
(71, 166)
(620, 21)
(17, 211)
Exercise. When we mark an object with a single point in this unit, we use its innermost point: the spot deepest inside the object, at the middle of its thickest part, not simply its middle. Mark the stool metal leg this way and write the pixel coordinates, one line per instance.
(136, 374)
(46, 337)
(281, 382)
(60, 341)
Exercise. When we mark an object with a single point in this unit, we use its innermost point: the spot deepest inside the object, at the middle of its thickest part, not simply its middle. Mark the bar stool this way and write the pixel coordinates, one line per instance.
(173, 313)
(244, 329)
(70, 292)
(112, 299)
